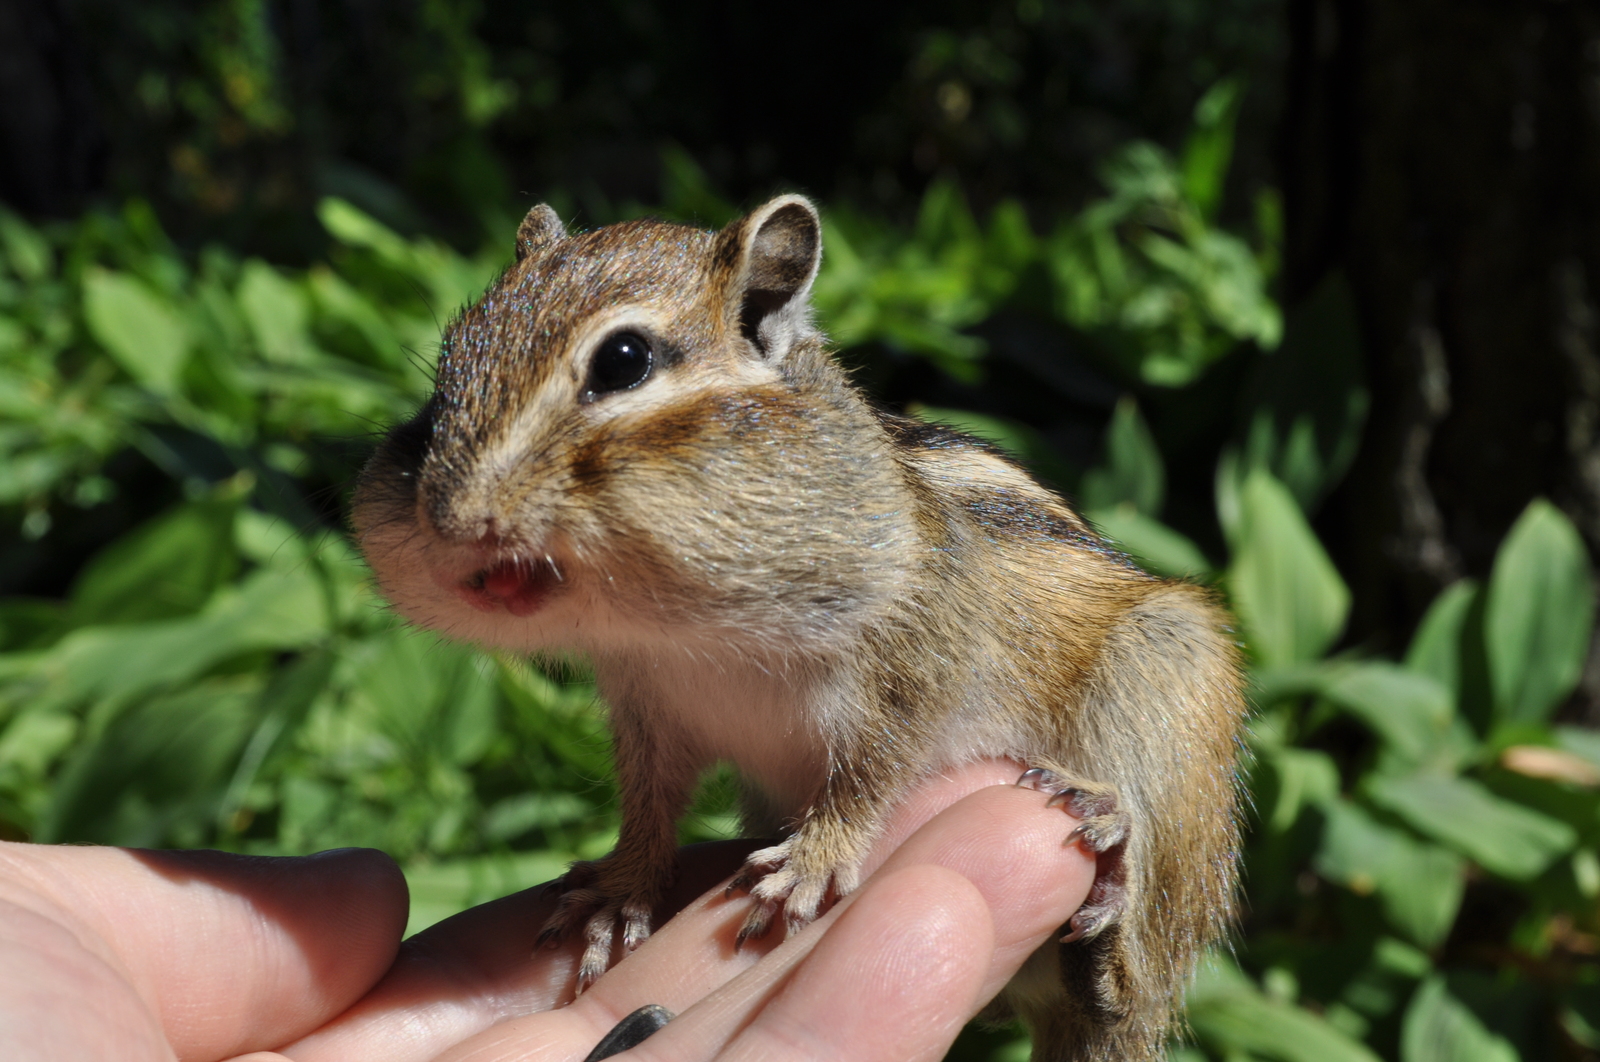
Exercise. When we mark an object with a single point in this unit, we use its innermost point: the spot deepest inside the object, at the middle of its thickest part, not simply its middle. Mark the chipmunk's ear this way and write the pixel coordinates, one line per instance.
(537, 229)
(774, 253)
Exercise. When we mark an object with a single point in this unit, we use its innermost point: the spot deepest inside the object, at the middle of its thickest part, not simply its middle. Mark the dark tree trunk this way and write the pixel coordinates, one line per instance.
(52, 153)
(1446, 157)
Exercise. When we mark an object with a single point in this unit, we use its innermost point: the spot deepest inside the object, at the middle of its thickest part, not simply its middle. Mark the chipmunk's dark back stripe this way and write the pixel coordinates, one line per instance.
(913, 434)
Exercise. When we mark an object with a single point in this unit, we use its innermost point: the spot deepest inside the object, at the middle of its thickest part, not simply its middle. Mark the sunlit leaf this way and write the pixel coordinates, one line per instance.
(1501, 836)
(141, 330)
(1006, 434)
(32, 741)
(357, 228)
(439, 890)
(1440, 1028)
(1418, 884)
(282, 706)
(1289, 597)
(1133, 471)
(1436, 647)
(154, 775)
(167, 567)
(1306, 778)
(1158, 548)
(277, 313)
(1209, 149)
(27, 252)
(1538, 615)
(270, 610)
(1411, 711)
(1230, 1015)
(1581, 741)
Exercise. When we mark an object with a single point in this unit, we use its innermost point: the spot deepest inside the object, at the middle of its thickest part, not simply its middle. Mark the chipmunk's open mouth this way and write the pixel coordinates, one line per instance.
(519, 586)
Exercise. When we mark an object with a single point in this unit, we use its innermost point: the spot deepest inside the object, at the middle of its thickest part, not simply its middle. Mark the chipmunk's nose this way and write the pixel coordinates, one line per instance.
(463, 521)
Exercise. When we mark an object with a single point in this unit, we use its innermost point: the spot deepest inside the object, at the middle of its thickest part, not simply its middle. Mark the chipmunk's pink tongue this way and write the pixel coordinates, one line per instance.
(517, 587)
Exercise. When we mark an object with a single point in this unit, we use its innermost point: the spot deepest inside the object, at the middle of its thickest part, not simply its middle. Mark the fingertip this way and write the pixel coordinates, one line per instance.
(894, 978)
(917, 915)
(1013, 849)
(364, 886)
(351, 932)
(258, 950)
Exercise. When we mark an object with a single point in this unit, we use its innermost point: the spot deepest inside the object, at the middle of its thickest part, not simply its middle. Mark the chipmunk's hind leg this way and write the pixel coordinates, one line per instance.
(1161, 714)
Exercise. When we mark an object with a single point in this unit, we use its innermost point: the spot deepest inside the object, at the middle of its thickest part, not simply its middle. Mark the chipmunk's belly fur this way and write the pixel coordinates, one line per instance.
(780, 719)
(701, 707)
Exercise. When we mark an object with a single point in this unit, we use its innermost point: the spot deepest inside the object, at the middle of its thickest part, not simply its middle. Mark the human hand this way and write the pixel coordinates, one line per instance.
(223, 958)
(974, 876)
(109, 953)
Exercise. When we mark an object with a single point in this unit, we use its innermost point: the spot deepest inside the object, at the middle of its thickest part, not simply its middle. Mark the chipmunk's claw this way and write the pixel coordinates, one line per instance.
(586, 903)
(775, 883)
(757, 924)
(1103, 828)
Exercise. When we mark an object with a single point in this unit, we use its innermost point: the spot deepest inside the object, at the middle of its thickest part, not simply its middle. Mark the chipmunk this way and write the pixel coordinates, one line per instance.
(640, 448)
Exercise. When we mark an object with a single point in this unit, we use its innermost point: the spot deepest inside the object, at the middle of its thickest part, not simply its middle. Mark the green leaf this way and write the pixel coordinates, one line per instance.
(33, 740)
(167, 567)
(1210, 145)
(1538, 616)
(269, 610)
(1308, 400)
(26, 250)
(153, 776)
(1157, 547)
(425, 695)
(439, 890)
(356, 228)
(1230, 1015)
(30, 623)
(1008, 435)
(1306, 778)
(141, 331)
(276, 312)
(1580, 741)
(1387, 978)
(283, 704)
(338, 301)
(1289, 596)
(1440, 1028)
(1418, 884)
(1581, 1017)
(1503, 837)
(686, 192)
(1133, 472)
(1411, 712)
(1436, 647)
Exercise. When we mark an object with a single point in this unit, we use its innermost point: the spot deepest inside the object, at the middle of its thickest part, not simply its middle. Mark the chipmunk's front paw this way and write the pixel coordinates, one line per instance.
(778, 878)
(591, 896)
(1103, 829)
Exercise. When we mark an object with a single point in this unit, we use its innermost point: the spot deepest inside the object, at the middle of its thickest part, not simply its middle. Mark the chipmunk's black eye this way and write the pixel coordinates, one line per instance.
(622, 361)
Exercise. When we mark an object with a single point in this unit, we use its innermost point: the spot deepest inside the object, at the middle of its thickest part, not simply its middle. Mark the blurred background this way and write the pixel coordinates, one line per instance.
(1294, 297)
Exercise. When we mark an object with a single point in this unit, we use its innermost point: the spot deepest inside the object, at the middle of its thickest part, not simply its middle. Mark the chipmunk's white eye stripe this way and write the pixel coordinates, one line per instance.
(621, 361)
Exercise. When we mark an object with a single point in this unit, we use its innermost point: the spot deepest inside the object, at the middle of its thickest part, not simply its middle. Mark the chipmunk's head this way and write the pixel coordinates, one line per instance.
(635, 427)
